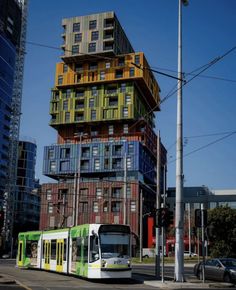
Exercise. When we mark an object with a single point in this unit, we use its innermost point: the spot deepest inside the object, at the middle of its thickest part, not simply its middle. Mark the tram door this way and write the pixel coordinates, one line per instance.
(47, 254)
(20, 253)
(60, 254)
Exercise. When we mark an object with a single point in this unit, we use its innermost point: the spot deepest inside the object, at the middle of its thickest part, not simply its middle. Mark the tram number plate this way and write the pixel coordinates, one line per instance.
(118, 262)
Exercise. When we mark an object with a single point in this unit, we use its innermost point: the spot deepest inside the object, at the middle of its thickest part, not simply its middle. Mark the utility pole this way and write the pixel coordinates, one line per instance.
(189, 229)
(158, 206)
(125, 188)
(141, 227)
(179, 211)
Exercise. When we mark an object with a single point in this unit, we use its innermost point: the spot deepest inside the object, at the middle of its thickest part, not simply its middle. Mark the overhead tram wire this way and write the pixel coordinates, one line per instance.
(203, 68)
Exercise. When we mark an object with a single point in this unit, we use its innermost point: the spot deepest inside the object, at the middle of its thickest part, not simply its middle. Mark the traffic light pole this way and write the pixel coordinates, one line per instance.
(203, 243)
(158, 206)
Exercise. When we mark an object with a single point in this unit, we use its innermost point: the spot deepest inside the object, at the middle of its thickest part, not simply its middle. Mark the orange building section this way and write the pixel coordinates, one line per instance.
(133, 66)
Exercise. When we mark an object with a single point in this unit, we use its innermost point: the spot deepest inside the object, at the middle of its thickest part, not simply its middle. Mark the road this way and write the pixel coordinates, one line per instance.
(42, 280)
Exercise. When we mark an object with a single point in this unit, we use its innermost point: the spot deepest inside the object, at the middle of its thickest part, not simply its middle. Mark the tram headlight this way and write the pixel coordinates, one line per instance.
(129, 263)
(104, 263)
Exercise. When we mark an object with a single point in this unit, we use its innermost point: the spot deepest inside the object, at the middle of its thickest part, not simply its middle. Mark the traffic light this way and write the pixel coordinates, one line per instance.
(162, 217)
(171, 218)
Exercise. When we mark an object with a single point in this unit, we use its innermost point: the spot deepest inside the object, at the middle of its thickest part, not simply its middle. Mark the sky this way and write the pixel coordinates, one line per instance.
(209, 100)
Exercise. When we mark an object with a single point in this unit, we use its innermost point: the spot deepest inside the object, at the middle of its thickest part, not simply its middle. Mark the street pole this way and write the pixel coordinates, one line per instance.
(78, 180)
(158, 206)
(125, 188)
(179, 212)
(189, 229)
(141, 227)
(203, 243)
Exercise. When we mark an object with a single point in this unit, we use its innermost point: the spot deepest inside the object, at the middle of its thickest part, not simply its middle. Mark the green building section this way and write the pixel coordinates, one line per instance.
(84, 104)
(79, 236)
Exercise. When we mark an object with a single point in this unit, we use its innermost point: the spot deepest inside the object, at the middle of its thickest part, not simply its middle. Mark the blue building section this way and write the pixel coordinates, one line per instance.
(92, 158)
(7, 63)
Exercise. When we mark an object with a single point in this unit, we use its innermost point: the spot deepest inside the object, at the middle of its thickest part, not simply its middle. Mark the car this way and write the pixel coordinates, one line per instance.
(219, 269)
(186, 254)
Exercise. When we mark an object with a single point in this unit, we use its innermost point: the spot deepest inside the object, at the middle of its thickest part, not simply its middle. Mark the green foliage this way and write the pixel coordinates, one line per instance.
(222, 231)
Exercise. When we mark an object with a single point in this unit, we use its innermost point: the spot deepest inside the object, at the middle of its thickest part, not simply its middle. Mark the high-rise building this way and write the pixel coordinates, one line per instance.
(27, 204)
(12, 44)
(102, 106)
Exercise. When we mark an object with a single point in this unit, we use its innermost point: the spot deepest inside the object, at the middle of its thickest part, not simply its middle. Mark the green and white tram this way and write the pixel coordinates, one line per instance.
(91, 250)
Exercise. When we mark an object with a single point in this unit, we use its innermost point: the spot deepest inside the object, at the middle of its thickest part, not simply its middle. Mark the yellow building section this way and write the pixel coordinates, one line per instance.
(133, 66)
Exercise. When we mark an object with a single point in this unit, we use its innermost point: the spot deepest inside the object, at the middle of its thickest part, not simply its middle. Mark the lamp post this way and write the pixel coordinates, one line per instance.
(77, 180)
(179, 212)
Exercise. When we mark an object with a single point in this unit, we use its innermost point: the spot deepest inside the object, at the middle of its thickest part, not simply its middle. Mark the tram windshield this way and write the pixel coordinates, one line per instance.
(115, 245)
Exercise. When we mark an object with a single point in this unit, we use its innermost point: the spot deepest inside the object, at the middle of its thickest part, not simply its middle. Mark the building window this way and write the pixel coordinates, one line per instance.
(65, 68)
(93, 115)
(125, 128)
(128, 163)
(76, 27)
(75, 49)
(65, 105)
(116, 163)
(92, 47)
(50, 207)
(121, 61)
(102, 75)
(84, 192)
(115, 206)
(130, 148)
(98, 192)
(91, 102)
(116, 192)
(78, 67)
(65, 153)
(79, 93)
(110, 129)
(97, 164)
(95, 151)
(64, 165)
(50, 153)
(94, 35)
(117, 149)
(137, 59)
(48, 194)
(105, 206)
(113, 101)
(108, 65)
(95, 206)
(123, 88)
(94, 91)
(67, 117)
(78, 37)
(106, 163)
(92, 24)
(127, 99)
(125, 112)
(60, 80)
(131, 72)
(119, 73)
(128, 191)
(133, 206)
(52, 166)
(83, 207)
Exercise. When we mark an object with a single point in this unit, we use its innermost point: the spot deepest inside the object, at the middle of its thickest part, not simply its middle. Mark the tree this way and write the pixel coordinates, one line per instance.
(222, 231)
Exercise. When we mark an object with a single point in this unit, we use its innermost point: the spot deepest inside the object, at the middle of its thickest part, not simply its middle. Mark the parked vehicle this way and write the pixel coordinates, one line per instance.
(222, 269)
(186, 254)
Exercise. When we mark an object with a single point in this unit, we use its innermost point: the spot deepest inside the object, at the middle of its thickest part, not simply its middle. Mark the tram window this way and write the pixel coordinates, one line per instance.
(86, 250)
(94, 251)
(53, 249)
(31, 249)
(74, 250)
(44, 245)
(65, 246)
(78, 246)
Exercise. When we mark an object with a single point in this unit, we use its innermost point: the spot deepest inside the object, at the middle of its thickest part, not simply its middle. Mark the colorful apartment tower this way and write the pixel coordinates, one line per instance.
(102, 106)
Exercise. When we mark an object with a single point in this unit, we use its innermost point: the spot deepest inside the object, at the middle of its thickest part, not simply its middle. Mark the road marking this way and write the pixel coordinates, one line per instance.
(22, 285)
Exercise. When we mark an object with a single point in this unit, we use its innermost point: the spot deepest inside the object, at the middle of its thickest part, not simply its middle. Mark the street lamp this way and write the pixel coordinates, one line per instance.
(179, 210)
(77, 179)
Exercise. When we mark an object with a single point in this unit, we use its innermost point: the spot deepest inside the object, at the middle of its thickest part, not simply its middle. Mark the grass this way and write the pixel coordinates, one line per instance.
(167, 260)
